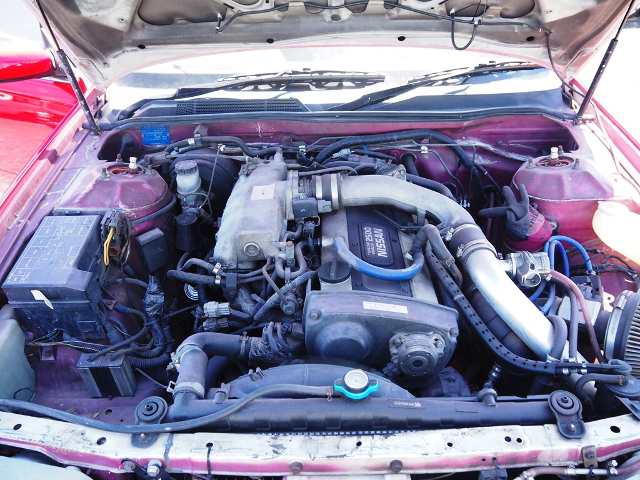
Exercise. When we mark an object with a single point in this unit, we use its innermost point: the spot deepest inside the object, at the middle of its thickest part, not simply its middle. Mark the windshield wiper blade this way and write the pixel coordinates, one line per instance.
(319, 79)
(433, 79)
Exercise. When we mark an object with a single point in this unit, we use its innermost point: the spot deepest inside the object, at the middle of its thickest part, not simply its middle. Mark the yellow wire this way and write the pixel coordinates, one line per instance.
(106, 246)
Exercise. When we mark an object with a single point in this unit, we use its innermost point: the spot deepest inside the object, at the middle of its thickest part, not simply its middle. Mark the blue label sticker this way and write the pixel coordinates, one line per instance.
(155, 135)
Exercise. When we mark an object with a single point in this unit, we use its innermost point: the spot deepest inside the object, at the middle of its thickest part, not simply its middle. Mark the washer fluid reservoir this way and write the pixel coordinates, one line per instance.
(618, 228)
(18, 379)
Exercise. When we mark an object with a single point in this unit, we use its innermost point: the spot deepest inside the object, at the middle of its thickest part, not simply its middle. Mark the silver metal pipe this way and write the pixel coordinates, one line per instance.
(522, 316)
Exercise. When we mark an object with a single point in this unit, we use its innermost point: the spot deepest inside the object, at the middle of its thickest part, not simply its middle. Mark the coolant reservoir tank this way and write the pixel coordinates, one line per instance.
(618, 228)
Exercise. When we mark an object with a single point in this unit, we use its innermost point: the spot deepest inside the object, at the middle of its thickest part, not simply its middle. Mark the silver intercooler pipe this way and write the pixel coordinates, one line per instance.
(466, 242)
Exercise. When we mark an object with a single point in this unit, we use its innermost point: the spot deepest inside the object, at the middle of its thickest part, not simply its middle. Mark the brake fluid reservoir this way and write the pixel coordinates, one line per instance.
(187, 179)
(565, 189)
(18, 379)
(618, 228)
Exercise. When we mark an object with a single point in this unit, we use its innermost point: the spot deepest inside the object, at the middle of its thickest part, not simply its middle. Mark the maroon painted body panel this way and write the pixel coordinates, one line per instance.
(30, 110)
(24, 63)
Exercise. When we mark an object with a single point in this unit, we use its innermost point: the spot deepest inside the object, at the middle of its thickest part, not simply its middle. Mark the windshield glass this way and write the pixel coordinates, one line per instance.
(399, 65)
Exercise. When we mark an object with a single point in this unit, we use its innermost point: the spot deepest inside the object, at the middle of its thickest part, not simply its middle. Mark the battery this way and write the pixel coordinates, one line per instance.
(54, 284)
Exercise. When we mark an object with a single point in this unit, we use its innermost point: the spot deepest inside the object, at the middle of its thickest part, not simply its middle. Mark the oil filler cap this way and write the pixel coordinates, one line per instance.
(356, 385)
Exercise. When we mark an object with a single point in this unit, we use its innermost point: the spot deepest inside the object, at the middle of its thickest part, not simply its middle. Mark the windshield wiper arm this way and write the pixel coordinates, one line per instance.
(319, 79)
(432, 79)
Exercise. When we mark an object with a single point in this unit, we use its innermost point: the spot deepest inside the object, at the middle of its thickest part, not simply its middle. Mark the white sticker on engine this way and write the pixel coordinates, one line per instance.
(385, 307)
(263, 192)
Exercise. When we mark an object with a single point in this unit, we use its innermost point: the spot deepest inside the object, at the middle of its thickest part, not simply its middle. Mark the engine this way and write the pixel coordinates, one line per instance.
(264, 270)
(397, 326)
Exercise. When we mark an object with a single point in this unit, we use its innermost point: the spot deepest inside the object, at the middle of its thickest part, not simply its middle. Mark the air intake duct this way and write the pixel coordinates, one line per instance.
(622, 337)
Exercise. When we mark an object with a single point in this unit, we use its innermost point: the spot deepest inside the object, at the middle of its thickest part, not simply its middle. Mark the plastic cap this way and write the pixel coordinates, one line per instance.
(186, 167)
(356, 385)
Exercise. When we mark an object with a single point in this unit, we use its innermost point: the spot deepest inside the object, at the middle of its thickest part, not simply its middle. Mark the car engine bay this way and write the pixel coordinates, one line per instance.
(283, 276)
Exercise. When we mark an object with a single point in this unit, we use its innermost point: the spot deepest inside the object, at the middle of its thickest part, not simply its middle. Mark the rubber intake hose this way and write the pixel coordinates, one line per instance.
(377, 272)
(431, 185)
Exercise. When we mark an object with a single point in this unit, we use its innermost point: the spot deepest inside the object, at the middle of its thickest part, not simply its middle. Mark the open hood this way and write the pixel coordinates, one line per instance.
(110, 38)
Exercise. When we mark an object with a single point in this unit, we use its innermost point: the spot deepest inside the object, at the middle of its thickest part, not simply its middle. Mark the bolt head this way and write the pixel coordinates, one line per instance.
(572, 428)
(395, 466)
(296, 467)
(153, 470)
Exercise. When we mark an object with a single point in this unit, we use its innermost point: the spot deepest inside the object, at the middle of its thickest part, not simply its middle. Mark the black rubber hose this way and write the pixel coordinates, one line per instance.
(421, 134)
(192, 277)
(159, 213)
(409, 161)
(166, 427)
(201, 288)
(216, 344)
(431, 234)
(224, 140)
(595, 377)
(559, 336)
(431, 185)
(217, 367)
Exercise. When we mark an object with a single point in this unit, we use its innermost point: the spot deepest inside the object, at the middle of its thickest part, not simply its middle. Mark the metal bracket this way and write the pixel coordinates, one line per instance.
(150, 411)
(568, 412)
(48, 353)
(632, 405)
(154, 470)
(589, 456)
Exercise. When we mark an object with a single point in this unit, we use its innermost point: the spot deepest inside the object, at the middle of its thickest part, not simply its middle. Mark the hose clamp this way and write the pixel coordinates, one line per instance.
(454, 231)
(243, 345)
(194, 387)
(465, 250)
(181, 351)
